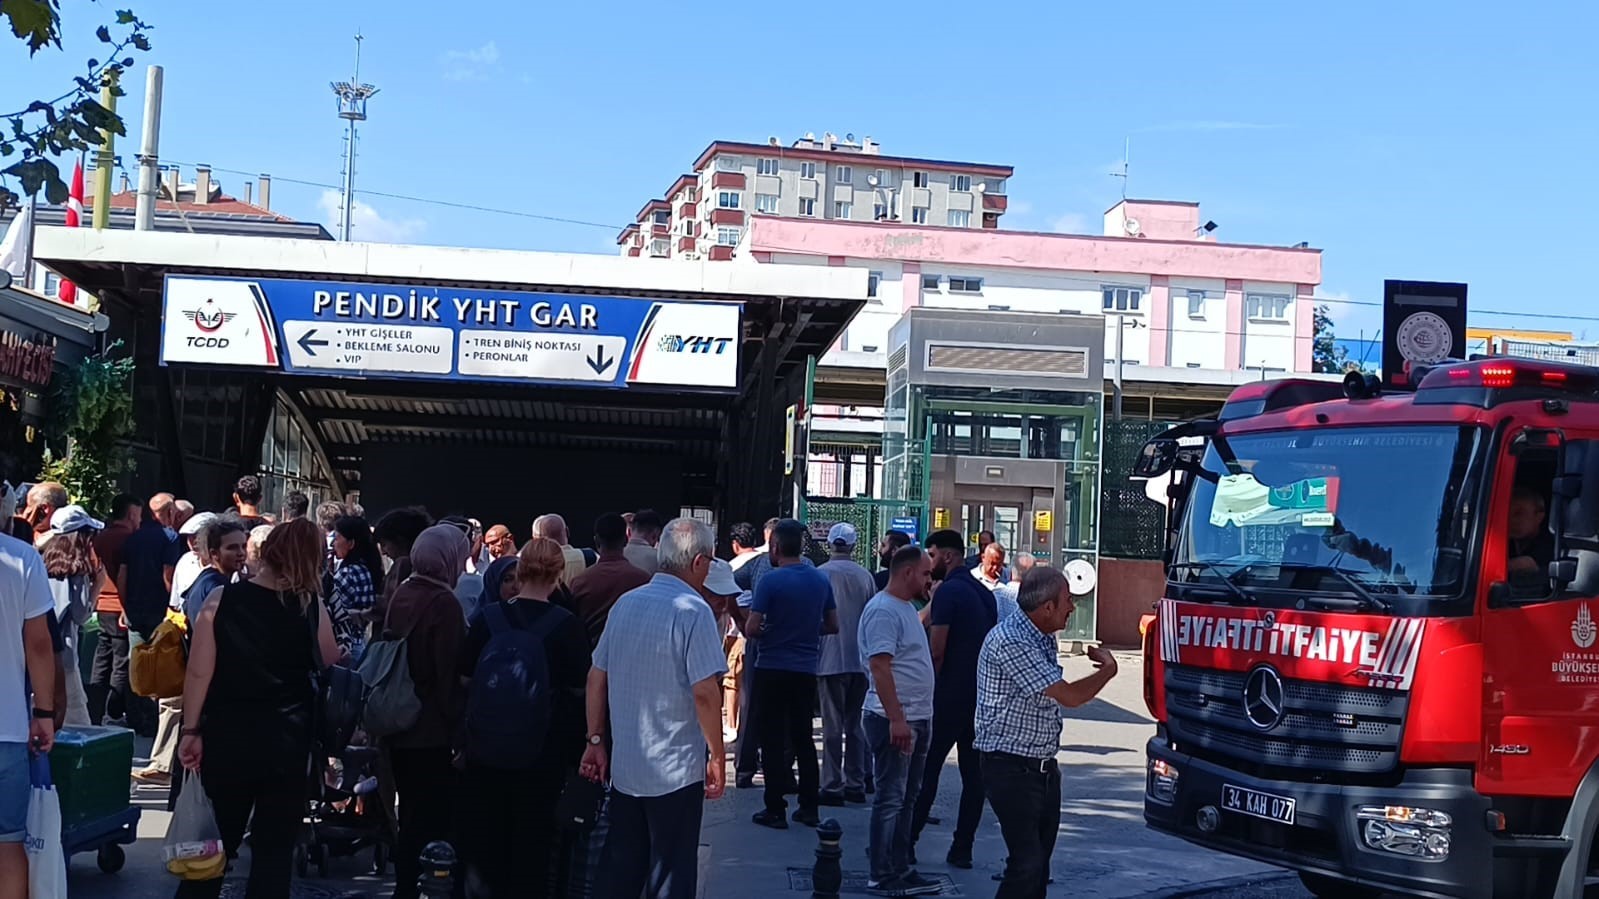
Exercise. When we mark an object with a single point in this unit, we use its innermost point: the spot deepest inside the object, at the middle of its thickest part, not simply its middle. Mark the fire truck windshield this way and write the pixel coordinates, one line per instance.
(1359, 512)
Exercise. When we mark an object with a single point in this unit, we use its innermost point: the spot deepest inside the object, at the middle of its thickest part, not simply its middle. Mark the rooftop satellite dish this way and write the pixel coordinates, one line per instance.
(1081, 577)
(1132, 227)
(850, 137)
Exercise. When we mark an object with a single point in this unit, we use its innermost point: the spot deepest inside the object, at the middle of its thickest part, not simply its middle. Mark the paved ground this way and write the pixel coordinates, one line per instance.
(1104, 848)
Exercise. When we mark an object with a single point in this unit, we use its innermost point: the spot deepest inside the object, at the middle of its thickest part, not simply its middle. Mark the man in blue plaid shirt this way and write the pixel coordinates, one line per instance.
(1020, 691)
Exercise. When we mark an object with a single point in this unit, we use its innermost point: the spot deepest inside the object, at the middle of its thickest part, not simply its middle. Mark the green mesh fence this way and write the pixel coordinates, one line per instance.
(1132, 526)
(871, 517)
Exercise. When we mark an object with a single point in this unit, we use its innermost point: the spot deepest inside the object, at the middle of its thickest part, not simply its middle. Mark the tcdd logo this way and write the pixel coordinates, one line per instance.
(712, 346)
(208, 318)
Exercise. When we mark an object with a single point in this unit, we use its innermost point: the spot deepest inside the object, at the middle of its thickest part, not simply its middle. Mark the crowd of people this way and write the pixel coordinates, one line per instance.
(527, 670)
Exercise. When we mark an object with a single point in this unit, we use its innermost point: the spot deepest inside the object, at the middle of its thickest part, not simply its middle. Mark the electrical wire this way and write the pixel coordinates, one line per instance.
(470, 207)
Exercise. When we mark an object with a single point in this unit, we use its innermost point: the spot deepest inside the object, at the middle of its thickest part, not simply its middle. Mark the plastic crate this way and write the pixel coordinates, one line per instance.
(90, 766)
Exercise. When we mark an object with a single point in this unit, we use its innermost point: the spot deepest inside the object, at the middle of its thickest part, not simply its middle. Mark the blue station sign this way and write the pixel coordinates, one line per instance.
(449, 333)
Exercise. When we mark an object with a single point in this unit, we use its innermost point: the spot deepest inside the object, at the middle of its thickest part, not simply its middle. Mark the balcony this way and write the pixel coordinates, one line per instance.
(633, 251)
(688, 210)
(995, 202)
(730, 180)
(685, 244)
(721, 253)
(660, 229)
(727, 217)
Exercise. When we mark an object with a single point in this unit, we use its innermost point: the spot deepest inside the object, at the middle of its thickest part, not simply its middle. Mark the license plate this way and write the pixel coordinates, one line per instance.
(1256, 804)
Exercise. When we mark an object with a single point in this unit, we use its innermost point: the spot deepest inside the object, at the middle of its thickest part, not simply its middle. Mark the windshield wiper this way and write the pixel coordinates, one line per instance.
(1226, 578)
(1365, 599)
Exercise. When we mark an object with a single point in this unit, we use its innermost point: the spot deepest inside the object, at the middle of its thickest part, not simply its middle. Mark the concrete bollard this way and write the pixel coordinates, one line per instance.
(827, 877)
(438, 870)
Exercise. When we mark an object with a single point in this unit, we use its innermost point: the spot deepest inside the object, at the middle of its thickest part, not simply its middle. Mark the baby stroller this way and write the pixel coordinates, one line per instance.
(346, 812)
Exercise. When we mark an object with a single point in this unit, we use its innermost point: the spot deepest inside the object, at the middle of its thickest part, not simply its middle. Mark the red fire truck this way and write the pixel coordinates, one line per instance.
(1376, 660)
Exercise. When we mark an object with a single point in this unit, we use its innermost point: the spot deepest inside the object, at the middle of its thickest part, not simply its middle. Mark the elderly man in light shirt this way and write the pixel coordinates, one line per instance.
(553, 527)
(655, 721)
(1005, 594)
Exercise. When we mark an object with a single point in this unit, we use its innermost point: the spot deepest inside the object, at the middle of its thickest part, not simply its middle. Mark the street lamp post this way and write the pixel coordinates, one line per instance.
(1123, 322)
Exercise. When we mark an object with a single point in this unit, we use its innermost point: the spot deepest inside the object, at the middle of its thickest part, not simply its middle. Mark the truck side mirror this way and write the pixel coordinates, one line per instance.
(1158, 457)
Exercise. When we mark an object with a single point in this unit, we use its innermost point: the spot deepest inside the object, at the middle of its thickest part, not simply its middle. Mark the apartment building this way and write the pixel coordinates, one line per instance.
(1181, 299)
(704, 214)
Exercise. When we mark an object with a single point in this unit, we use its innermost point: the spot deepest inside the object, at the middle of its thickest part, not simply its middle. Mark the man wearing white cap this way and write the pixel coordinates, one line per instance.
(193, 562)
(840, 677)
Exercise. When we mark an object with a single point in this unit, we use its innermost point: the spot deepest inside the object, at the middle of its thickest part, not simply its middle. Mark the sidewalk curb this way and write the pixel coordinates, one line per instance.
(1199, 889)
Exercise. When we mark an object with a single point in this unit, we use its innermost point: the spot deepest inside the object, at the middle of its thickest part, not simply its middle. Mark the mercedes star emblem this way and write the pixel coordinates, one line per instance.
(1263, 698)
(1270, 620)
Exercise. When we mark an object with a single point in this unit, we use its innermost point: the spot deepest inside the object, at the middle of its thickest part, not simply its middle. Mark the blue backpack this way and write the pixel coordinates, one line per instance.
(508, 706)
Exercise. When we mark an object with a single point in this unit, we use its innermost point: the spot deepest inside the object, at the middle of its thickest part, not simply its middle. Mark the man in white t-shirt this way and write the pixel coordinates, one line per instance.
(26, 726)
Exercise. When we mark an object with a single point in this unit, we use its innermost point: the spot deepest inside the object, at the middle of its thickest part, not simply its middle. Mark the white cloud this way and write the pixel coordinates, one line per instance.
(370, 226)
(1069, 223)
(470, 65)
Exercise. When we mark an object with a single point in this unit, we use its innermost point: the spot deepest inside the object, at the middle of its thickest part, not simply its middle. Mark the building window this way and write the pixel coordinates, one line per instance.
(727, 237)
(766, 203)
(728, 199)
(766, 166)
(843, 174)
(808, 170)
(873, 280)
(1196, 304)
(1122, 299)
(960, 218)
(879, 212)
(842, 210)
(690, 194)
(918, 179)
(663, 218)
(659, 247)
(807, 208)
(919, 215)
(966, 285)
(930, 282)
(727, 164)
(882, 178)
(960, 183)
(994, 186)
(1267, 307)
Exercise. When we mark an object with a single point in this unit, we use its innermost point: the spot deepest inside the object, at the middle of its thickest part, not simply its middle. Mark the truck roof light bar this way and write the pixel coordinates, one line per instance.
(1503, 374)
(1270, 396)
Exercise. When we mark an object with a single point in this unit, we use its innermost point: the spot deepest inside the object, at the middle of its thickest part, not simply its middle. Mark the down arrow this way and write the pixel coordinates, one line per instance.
(598, 362)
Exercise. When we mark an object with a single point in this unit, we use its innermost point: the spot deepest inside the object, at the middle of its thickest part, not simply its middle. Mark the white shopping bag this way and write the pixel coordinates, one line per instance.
(47, 864)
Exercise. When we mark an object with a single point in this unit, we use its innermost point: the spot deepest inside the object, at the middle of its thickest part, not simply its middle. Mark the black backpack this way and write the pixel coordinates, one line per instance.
(508, 706)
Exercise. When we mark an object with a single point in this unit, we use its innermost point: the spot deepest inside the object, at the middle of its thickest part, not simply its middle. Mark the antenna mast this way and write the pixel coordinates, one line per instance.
(352, 96)
(1127, 158)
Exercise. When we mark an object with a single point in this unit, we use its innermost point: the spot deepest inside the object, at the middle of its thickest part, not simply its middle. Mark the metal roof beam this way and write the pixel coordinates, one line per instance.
(470, 423)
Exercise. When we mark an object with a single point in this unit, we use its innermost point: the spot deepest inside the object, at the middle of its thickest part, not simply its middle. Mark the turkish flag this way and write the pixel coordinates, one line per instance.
(69, 290)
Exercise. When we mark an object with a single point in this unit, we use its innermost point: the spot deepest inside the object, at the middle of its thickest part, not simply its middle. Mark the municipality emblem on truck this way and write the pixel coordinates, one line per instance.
(1583, 630)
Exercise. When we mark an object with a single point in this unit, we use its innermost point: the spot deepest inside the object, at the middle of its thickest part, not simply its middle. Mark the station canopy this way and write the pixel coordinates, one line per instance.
(379, 343)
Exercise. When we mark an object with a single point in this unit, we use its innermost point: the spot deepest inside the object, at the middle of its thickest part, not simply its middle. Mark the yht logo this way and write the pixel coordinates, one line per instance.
(208, 318)
(711, 346)
(1583, 630)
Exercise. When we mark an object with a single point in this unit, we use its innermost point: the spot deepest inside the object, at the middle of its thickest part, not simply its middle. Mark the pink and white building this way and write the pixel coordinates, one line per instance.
(1184, 300)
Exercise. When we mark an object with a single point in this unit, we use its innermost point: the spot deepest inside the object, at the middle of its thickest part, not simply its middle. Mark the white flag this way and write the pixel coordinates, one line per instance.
(14, 246)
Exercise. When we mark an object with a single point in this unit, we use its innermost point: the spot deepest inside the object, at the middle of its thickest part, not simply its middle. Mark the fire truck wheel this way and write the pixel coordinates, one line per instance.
(1332, 888)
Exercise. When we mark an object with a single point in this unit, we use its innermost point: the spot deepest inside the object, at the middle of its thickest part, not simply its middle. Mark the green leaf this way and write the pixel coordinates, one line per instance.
(35, 173)
(104, 34)
(34, 21)
(126, 17)
(140, 41)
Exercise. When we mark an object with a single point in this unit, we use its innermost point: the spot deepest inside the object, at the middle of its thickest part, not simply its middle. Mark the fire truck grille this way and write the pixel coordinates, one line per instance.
(1323, 726)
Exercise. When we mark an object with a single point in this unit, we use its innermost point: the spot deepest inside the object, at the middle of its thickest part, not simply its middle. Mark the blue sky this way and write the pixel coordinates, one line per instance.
(1449, 141)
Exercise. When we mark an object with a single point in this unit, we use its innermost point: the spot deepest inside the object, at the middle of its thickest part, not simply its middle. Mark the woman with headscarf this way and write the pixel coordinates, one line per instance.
(425, 613)
(499, 582)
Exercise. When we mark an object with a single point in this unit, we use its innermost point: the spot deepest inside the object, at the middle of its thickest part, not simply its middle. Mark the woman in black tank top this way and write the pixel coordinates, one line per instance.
(247, 705)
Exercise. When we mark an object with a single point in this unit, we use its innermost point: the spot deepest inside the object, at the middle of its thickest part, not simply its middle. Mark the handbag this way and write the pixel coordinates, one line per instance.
(47, 862)
(156, 669)
(392, 706)
(579, 806)
(338, 692)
